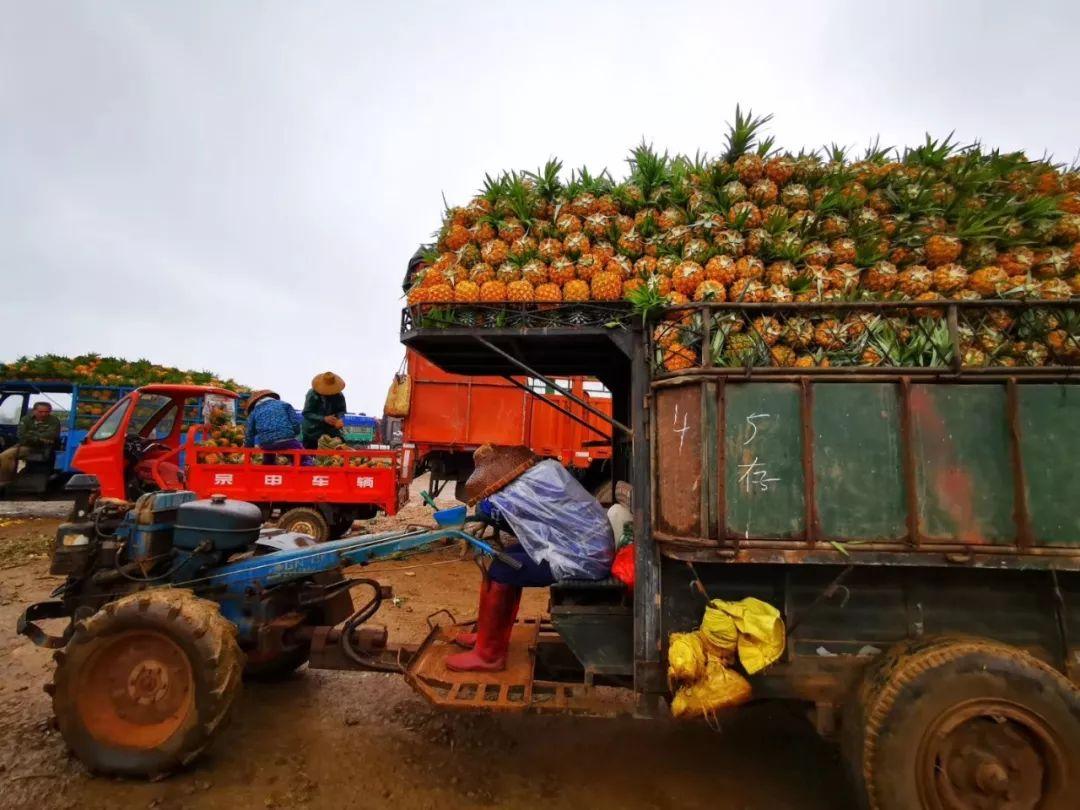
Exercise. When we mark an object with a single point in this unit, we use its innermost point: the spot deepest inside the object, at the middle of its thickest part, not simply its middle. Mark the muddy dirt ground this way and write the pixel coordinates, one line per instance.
(328, 739)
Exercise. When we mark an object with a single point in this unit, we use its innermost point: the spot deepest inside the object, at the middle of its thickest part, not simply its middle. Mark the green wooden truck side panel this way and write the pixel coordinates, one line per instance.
(1049, 422)
(963, 463)
(859, 483)
(763, 460)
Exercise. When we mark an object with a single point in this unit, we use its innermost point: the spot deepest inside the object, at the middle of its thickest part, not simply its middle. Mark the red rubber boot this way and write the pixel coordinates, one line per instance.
(498, 610)
(468, 640)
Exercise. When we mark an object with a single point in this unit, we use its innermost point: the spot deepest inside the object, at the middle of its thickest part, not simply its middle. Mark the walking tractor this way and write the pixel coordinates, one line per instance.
(172, 599)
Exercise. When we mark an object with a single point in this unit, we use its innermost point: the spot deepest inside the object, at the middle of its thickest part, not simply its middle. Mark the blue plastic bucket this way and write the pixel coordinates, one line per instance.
(448, 518)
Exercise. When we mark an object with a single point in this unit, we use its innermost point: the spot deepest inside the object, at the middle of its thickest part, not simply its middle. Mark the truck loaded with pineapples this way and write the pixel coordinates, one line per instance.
(922, 227)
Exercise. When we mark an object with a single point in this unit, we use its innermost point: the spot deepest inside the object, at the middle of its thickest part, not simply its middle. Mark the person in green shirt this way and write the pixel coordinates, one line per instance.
(324, 409)
(39, 430)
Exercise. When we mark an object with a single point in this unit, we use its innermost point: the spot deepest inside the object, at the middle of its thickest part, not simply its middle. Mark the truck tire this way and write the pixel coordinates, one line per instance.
(306, 520)
(178, 664)
(964, 722)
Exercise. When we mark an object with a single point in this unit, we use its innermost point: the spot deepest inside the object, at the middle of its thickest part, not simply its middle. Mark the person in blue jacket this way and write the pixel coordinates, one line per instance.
(271, 425)
(561, 531)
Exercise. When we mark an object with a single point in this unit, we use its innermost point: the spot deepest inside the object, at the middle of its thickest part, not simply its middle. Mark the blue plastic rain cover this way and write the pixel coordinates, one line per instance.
(557, 520)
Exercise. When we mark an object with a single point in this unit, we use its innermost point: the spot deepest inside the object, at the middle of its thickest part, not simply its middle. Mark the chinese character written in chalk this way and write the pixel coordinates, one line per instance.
(222, 478)
(754, 474)
(365, 482)
(272, 480)
(320, 480)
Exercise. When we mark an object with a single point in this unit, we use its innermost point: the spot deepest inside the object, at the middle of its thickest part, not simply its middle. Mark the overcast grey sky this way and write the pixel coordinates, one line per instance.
(238, 185)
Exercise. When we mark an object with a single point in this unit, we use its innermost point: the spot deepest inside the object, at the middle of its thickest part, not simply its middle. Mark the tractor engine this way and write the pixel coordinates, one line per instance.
(164, 538)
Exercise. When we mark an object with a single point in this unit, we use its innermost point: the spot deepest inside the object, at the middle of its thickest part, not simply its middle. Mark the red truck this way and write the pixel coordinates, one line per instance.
(140, 444)
(451, 415)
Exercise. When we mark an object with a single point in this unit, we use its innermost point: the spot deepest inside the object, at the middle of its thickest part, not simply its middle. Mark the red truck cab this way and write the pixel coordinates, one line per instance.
(141, 428)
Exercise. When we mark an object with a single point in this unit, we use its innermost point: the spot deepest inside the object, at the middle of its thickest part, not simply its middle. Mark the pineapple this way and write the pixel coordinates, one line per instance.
(830, 334)
(508, 271)
(418, 295)
(466, 292)
(491, 291)
(783, 356)
(606, 286)
(596, 225)
(735, 192)
(576, 244)
(523, 248)
(548, 292)
(843, 250)
(780, 273)
(795, 196)
(833, 226)
(440, 294)
(666, 264)
(780, 169)
(631, 244)
(468, 255)
(1017, 261)
(779, 294)
(949, 278)
(749, 267)
(882, 277)
(817, 254)
(744, 215)
(748, 290)
(520, 292)
(481, 272)
(741, 349)
(567, 224)
(687, 276)
(915, 280)
(670, 218)
(587, 266)
(928, 312)
(621, 265)
(1054, 289)
(482, 231)
(456, 237)
(799, 333)
(561, 271)
(536, 272)
(730, 243)
(696, 250)
(645, 266)
(942, 248)
(665, 335)
(989, 281)
(1051, 263)
(511, 229)
(764, 192)
(603, 251)
(750, 168)
(844, 277)
(768, 329)
(576, 290)
(494, 252)
(549, 249)
(710, 291)
(630, 285)
(678, 357)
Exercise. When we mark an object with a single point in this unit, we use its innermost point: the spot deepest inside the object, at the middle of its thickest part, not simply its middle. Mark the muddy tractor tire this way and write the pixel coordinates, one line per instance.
(145, 684)
(307, 521)
(963, 722)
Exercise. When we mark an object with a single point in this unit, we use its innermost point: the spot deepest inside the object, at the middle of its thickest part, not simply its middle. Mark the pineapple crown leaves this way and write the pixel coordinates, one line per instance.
(776, 223)
(646, 301)
(648, 170)
(876, 153)
(868, 252)
(494, 188)
(546, 180)
(933, 153)
(742, 134)
(521, 195)
(765, 146)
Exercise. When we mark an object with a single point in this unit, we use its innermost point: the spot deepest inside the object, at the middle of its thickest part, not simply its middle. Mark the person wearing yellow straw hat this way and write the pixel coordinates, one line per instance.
(324, 409)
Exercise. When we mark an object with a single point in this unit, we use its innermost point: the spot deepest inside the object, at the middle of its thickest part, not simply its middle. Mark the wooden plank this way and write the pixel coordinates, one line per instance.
(1050, 451)
(963, 474)
(859, 482)
(763, 444)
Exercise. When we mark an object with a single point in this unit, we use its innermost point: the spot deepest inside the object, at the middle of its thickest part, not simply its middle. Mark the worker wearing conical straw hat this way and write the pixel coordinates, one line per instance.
(324, 409)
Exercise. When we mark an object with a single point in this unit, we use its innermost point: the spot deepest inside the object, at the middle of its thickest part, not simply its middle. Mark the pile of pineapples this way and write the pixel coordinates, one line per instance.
(927, 224)
(94, 369)
(225, 434)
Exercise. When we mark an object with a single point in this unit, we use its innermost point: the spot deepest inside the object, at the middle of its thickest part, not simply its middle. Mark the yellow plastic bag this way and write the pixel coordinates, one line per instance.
(718, 627)
(686, 657)
(758, 627)
(720, 688)
(399, 396)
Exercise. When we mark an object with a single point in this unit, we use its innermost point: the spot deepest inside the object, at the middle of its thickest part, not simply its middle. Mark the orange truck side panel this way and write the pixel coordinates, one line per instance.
(453, 413)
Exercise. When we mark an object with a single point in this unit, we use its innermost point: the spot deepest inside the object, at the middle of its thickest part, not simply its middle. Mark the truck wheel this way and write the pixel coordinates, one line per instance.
(145, 683)
(307, 521)
(957, 723)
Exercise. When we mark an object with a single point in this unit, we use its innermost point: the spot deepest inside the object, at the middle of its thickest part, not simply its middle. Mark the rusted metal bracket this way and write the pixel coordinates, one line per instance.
(552, 384)
(564, 411)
